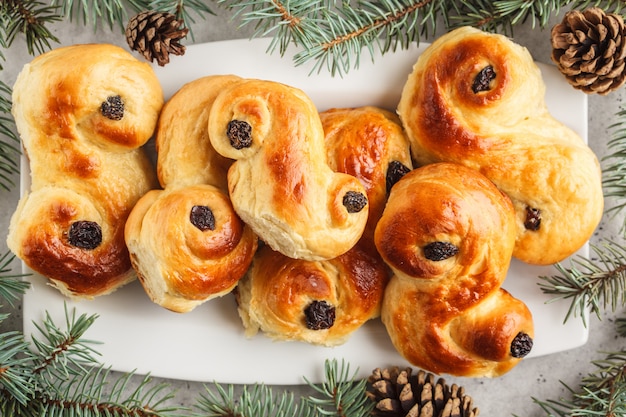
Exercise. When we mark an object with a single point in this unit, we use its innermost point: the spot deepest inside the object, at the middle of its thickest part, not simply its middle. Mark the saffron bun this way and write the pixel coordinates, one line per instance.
(448, 235)
(280, 183)
(186, 242)
(317, 302)
(82, 127)
(368, 143)
(478, 99)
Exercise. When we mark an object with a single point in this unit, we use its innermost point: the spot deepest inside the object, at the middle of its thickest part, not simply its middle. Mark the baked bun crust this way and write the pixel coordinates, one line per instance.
(276, 293)
(280, 183)
(369, 144)
(81, 127)
(185, 155)
(478, 99)
(318, 302)
(181, 261)
(186, 242)
(448, 234)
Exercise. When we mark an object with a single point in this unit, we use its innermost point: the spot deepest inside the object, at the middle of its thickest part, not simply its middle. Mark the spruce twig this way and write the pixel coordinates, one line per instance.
(9, 142)
(614, 167)
(340, 395)
(31, 19)
(602, 392)
(12, 286)
(590, 284)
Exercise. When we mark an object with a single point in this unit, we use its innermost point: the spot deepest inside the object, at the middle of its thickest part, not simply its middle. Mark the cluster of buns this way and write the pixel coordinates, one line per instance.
(317, 221)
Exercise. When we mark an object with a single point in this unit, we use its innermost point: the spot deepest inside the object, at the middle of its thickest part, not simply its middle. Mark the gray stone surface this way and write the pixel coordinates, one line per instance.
(511, 394)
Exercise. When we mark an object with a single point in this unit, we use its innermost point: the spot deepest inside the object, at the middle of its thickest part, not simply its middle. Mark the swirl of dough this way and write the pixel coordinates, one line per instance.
(478, 99)
(186, 242)
(448, 235)
(318, 302)
(82, 112)
(188, 245)
(280, 183)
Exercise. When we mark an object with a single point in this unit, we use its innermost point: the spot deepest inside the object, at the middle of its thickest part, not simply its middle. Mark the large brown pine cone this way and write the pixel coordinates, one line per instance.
(155, 35)
(400, 393)
(589, 48)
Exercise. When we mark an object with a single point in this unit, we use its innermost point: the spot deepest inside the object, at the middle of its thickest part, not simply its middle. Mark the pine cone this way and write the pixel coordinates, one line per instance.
(398, 393)
(155, 35)
(589, 48)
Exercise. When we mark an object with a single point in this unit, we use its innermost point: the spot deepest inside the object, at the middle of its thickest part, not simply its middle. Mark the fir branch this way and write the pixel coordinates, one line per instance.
(257, 400)
(614, 167)
(115, 12)
(609, 6)
(93, 12)
(9, 142)
(590, 284)
(183, 9)
(29, 18)
(334, 34)
(341, 395)
(602, 392)
(12, 286)
(64, 352)
(61, 377)
(87, 394)
(15, 373)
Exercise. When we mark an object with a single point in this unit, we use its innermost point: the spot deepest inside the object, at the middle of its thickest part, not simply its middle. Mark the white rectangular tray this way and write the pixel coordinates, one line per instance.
(208, 344)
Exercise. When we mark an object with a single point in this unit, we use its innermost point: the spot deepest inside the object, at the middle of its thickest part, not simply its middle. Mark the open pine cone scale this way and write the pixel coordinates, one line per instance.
(589, 48)
(400, 393)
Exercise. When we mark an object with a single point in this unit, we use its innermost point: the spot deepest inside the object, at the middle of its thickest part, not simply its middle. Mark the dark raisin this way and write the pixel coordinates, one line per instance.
(483, 79)
(319, 315)
(354, 201)
(395, 171)
(521, 345)
(239, 133)
(533, 219)
(438, 251)
(85, 234)
(113, 108)
(202, 217)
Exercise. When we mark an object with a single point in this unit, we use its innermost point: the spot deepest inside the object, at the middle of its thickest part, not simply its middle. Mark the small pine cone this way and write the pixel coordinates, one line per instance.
(589, 48)
(155, 35)
(399, 393)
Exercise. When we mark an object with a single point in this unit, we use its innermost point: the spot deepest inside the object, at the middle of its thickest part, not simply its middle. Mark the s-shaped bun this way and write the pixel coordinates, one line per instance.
(82, 112)
(186, 242)
(478, 99)
(280, 182)
(448, 234)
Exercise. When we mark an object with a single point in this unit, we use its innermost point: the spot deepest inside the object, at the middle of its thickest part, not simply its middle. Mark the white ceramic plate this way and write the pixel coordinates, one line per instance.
(208, 344)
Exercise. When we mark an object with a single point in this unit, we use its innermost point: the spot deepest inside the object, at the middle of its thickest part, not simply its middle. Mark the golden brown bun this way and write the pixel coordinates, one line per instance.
(180, 260)
(184, 152)
(280, 183)
(186, 242)
(321, 302)
(504, 130)
(82, 113)
(448, 234)
(369, 144)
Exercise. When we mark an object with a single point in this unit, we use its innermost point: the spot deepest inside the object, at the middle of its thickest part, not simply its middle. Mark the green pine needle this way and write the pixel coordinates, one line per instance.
(12, 286)
(602, 392)
(590, 284)
(9, 142)
(340, 395)
(30, 19)
(614, 167)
